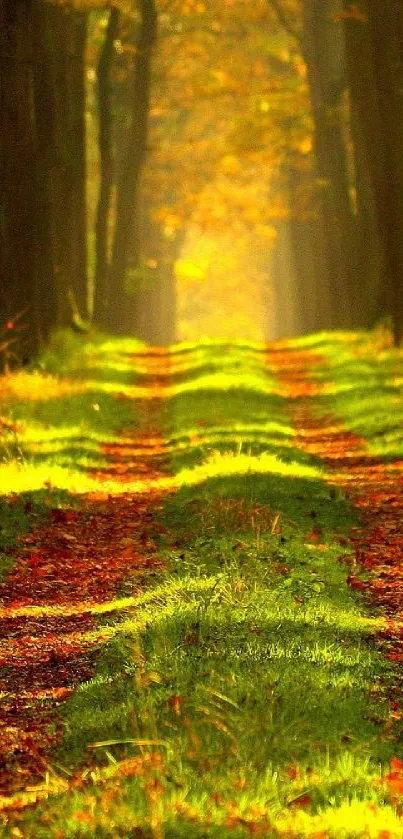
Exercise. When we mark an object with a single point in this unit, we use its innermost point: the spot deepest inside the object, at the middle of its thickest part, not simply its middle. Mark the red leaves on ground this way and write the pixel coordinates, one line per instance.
(77, 560)
(374, 486)
(355, 582)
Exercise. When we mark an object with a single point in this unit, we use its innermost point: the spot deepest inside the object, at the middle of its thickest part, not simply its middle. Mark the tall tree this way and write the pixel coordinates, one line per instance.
(17, 169)
(323, 49)
(126, 230)
(42, 160)
(106, 158)
(376, 74)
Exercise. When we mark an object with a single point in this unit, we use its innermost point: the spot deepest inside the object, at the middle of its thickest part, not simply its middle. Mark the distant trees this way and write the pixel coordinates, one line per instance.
(282, 115)
(354, 58)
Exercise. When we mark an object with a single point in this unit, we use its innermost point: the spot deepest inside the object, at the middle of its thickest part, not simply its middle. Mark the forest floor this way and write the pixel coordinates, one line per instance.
(201, 590)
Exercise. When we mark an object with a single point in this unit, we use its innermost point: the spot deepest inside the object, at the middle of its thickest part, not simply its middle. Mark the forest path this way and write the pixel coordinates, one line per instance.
(65, 572)
(373, 485)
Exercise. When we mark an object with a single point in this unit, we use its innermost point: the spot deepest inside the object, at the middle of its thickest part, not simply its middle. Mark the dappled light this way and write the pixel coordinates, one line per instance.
(186, 506)
(201, 419)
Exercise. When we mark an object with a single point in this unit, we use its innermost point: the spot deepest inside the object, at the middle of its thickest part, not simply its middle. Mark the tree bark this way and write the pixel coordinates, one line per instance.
(322, 45)
(131, 169)
(59, 107)
(370, 161)
(76, 139)
(388, 71)
(45, 130)
(17, 171)
(308, 241)
(104, 70)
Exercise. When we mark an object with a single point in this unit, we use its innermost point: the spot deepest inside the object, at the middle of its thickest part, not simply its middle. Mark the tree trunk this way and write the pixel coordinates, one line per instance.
(133, 160)
(17, 172)
(45, 125)
(60, 58)
(101, 301)
(324, 56)
(154, 298)
(307, 237)
(370, 161)
(284, 298)
(388, 71)
(76, 139)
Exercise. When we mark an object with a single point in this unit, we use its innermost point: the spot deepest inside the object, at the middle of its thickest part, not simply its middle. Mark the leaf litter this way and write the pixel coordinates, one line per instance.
(375, 488)
(80, 556)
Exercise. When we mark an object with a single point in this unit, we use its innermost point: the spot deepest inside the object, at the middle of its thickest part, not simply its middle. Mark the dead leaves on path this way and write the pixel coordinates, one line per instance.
(77, 560)
(374, 487)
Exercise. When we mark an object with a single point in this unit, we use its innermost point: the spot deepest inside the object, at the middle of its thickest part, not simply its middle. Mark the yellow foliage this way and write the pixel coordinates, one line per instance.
(231, 165)
(306, 145)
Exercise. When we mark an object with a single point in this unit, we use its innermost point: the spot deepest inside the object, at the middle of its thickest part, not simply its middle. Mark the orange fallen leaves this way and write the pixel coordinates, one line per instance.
(80, 556)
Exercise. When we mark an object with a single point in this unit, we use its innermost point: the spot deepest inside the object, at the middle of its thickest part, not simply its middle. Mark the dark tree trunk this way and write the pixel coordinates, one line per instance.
(77, 160)
(60, 116)
(17, 171)
(308, 241)
(324, 55)
(101, 301)
(45, 123)
(370, 160)
(385, 32)
(134, 155)
(42, 177)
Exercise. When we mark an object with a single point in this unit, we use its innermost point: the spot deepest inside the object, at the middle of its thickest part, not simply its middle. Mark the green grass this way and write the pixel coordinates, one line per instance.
(242, 691)
(365, 388)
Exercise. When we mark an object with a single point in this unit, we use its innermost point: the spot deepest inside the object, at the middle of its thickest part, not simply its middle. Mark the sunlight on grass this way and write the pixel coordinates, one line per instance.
(243, 651)
(220, 464)
(351, 819)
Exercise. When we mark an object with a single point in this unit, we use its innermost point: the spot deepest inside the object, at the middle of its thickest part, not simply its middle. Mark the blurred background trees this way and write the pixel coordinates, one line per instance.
(172, 168)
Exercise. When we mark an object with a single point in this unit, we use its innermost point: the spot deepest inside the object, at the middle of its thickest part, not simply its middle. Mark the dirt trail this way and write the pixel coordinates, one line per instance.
(373, 486)
(62, 569)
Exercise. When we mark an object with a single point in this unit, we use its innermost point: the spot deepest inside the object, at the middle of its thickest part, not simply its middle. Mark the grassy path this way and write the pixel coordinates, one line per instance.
(200, 610)
(65, 572)
(374, 486)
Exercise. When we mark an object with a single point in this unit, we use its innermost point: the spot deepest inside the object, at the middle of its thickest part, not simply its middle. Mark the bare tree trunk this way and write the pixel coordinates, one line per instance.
(60, 36)
(308, 240)
(76, 139)
(370, 151)
(384, 23)
(17, 170)
(133, 160)
(323, 51)
(102, 297)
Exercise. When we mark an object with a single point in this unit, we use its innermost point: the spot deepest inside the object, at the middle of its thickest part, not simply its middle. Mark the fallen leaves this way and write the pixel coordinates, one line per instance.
(374, 488)
(81, 555)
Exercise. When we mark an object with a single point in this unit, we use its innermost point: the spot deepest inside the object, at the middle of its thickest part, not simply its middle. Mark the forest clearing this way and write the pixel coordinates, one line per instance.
(201, 594)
